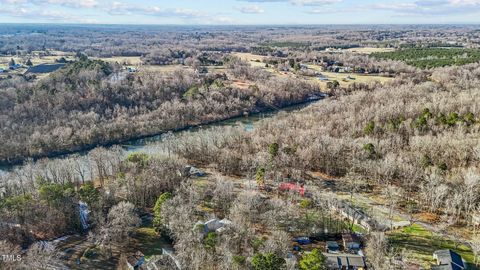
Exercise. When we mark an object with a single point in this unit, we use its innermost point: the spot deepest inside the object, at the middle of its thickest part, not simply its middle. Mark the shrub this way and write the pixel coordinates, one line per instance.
(139, 158)
(469, 118)
(369, 129)
(426, 161)
(313, 260)
(260, 176)
(210, 240)
(267, 261)
(452, 118)
(257, 243)
(88, 193)
(239, 260)
(157, 209)
(442, 166)
(305, 203)
(370, 149)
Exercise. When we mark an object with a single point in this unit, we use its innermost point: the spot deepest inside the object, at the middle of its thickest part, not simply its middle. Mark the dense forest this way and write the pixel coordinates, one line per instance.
(433, 57)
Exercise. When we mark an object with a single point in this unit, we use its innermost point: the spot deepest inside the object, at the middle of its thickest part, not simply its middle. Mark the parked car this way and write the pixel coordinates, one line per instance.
(303, 240)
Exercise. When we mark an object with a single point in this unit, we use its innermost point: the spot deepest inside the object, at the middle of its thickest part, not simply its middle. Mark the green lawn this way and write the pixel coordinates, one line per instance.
(149, 241)
(422, 243)
(358, 229)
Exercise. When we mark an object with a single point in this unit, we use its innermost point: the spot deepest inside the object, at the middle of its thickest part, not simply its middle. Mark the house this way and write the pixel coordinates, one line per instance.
(131, 69)
(295, 187)
(135, 261)
(332, 247)
(351, 242)
(213, 225)
(345, 262)
(448, 260)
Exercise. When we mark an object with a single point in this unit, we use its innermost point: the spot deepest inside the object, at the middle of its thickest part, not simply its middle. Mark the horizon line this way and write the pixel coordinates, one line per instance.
(206, 24)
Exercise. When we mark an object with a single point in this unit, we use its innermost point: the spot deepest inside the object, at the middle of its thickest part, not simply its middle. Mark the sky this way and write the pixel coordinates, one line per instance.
(241, 12)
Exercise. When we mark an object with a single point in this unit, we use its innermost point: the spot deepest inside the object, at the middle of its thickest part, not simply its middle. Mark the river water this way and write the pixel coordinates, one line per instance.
(147, 145)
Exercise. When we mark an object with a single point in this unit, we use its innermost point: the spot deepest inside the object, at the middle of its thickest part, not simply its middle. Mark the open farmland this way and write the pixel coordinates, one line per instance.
(123, 60)
(369, 50)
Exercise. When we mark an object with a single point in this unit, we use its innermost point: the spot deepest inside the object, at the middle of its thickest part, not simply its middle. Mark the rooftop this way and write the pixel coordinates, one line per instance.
(448, 259)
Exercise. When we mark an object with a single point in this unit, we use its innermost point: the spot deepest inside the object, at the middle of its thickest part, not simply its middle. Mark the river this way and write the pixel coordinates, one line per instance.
(147, 144)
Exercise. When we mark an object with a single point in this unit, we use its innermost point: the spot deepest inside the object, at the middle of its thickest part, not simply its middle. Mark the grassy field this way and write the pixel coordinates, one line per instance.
(249, 57)
(346, 79)
(369, 50)
(35, 60)
(124, 60)
(421, 244)
(168, 68)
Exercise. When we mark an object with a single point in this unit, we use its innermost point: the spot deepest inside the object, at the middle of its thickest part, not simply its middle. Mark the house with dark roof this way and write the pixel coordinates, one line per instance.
(448, 260)
(345, 262)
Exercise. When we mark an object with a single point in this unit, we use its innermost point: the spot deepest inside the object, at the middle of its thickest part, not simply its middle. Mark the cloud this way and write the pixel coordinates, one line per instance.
(42, 14)
(73, 3)
(314, 2)
(297, 2)
(263, 1)
(119, 8)
(188, 15)
(332, 11)
(66, 3)
(431, 7)
(254, 9)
